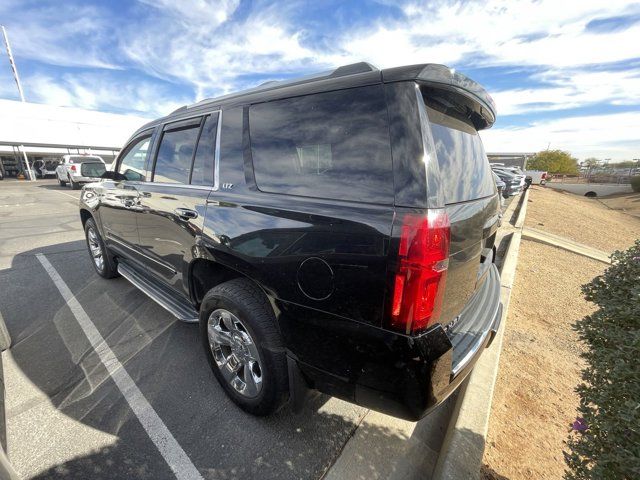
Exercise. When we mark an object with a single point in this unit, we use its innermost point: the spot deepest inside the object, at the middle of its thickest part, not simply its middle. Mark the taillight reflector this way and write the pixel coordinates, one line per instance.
(73, 168)
(423, 259)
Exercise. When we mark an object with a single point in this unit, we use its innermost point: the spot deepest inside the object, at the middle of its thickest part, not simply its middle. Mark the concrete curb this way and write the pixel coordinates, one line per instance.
(463, 447)
(509, 212)
(566, 244)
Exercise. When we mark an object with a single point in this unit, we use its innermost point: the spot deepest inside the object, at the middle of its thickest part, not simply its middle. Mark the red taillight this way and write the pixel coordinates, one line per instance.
(73, 168)
(423, 258)
(544, 175)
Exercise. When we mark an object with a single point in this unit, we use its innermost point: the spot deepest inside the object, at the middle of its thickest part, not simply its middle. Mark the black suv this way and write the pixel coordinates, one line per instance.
(331, 233)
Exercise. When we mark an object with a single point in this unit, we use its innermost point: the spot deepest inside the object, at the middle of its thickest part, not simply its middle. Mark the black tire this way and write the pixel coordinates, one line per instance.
(249, 304)
(109, 268)
(61, 182)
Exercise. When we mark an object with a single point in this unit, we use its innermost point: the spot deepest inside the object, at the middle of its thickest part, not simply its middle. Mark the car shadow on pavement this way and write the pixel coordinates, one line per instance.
(53, 186)
(166, 361)
(115, 461)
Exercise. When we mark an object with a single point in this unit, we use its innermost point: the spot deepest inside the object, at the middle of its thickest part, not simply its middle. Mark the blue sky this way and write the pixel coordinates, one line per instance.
(563, 73)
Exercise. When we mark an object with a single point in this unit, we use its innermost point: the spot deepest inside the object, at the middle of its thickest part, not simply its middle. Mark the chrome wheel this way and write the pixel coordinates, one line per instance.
(95, 248)
(235, 352)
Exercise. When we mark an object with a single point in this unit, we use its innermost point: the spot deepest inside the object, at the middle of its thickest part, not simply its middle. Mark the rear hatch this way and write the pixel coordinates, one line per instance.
(470, 198)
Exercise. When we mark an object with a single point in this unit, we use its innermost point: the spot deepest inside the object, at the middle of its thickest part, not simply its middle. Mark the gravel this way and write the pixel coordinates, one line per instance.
(535, 402)
(582, 219)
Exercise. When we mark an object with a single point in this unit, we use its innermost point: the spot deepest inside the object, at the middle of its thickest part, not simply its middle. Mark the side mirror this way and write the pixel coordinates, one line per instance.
(110, 175)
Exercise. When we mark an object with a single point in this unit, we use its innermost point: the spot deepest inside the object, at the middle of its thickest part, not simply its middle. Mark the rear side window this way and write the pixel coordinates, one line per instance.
(202, 173)
(464, 169)
(329, 145)
(175, 154)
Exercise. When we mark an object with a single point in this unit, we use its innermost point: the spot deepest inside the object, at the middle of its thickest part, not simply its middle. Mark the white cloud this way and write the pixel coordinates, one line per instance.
(211, 13)
(213, 58)
(96, 92)
(606, 136)
(501, 32)
(571, 89)
(65, 35)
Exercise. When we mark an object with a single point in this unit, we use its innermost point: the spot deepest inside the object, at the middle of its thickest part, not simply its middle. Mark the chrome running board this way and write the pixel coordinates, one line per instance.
(161, 294)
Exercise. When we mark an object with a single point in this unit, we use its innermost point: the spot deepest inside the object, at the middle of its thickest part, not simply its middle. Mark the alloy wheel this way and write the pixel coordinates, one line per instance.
(95, 248)
(235, 353)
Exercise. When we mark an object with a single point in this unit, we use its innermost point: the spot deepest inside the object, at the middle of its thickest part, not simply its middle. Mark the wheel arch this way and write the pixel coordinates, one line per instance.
(204, 274)
(85, 215)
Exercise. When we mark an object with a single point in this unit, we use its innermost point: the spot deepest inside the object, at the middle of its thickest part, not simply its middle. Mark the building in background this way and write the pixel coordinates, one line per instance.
(46, 132)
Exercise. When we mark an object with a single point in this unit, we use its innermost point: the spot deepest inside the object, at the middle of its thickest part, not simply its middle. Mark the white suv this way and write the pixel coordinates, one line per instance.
(78, 169)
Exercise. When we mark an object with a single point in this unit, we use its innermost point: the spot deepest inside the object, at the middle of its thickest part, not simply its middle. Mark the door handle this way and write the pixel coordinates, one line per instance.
(186, 213)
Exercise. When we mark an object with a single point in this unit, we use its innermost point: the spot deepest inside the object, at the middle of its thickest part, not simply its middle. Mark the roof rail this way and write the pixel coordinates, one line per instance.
(345, 70)
(352, 69)
(183, 107)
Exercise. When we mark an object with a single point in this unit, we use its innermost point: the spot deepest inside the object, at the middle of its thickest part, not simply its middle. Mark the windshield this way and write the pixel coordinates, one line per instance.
(93, 169)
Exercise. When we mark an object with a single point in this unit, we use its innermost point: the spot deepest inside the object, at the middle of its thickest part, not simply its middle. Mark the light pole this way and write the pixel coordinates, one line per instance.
(17, 79)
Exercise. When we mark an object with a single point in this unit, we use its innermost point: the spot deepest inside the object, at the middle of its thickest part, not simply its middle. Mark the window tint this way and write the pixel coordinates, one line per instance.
(132, 164)
(92, 169)
(464, 168)
(175, 154)
(331, 145)
(203, 164)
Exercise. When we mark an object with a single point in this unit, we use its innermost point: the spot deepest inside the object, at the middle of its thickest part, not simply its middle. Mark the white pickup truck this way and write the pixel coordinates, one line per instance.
(78, 169)
(538, 177)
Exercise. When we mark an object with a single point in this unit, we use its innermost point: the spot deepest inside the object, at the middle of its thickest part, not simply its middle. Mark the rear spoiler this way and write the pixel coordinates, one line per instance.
(478, 101)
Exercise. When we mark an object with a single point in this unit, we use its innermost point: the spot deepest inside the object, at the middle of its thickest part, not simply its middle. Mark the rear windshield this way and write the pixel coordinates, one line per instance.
(331, 145)
(92, 169)
(464, 167)
(83, 158)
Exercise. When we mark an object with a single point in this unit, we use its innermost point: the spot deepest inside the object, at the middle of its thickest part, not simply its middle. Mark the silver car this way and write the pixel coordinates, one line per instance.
(78, 169)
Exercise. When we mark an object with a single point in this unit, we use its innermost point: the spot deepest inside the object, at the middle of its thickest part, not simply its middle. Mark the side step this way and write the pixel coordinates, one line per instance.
(177, 306)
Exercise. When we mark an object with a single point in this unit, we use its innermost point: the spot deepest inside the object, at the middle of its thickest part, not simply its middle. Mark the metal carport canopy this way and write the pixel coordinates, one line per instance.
(48, 126)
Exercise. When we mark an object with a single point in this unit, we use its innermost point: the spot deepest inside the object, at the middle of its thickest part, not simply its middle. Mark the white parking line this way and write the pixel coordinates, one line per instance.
(158, 432)
(68, 195)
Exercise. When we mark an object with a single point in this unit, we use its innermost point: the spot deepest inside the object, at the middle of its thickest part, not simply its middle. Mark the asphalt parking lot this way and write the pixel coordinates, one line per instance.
(68, 418)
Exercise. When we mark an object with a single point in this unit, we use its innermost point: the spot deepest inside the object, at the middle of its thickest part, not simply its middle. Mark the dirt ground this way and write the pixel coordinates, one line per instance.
(585, 220)
(628, 203)
(534, 401)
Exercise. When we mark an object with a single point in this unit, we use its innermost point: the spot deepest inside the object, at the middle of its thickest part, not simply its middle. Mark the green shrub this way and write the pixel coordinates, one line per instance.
(605, 441)
(635, 183)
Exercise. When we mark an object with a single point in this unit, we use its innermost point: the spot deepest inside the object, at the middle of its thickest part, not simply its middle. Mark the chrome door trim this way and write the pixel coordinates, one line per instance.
(216, 154)
(139, 252)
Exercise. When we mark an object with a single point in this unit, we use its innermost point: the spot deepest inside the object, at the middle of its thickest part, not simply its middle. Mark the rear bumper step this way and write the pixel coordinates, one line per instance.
(166, 298)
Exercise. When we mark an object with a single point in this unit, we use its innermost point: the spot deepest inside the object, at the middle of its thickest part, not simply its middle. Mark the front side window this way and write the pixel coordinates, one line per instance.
(132, 164)
(329, 145)
(175, 154)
